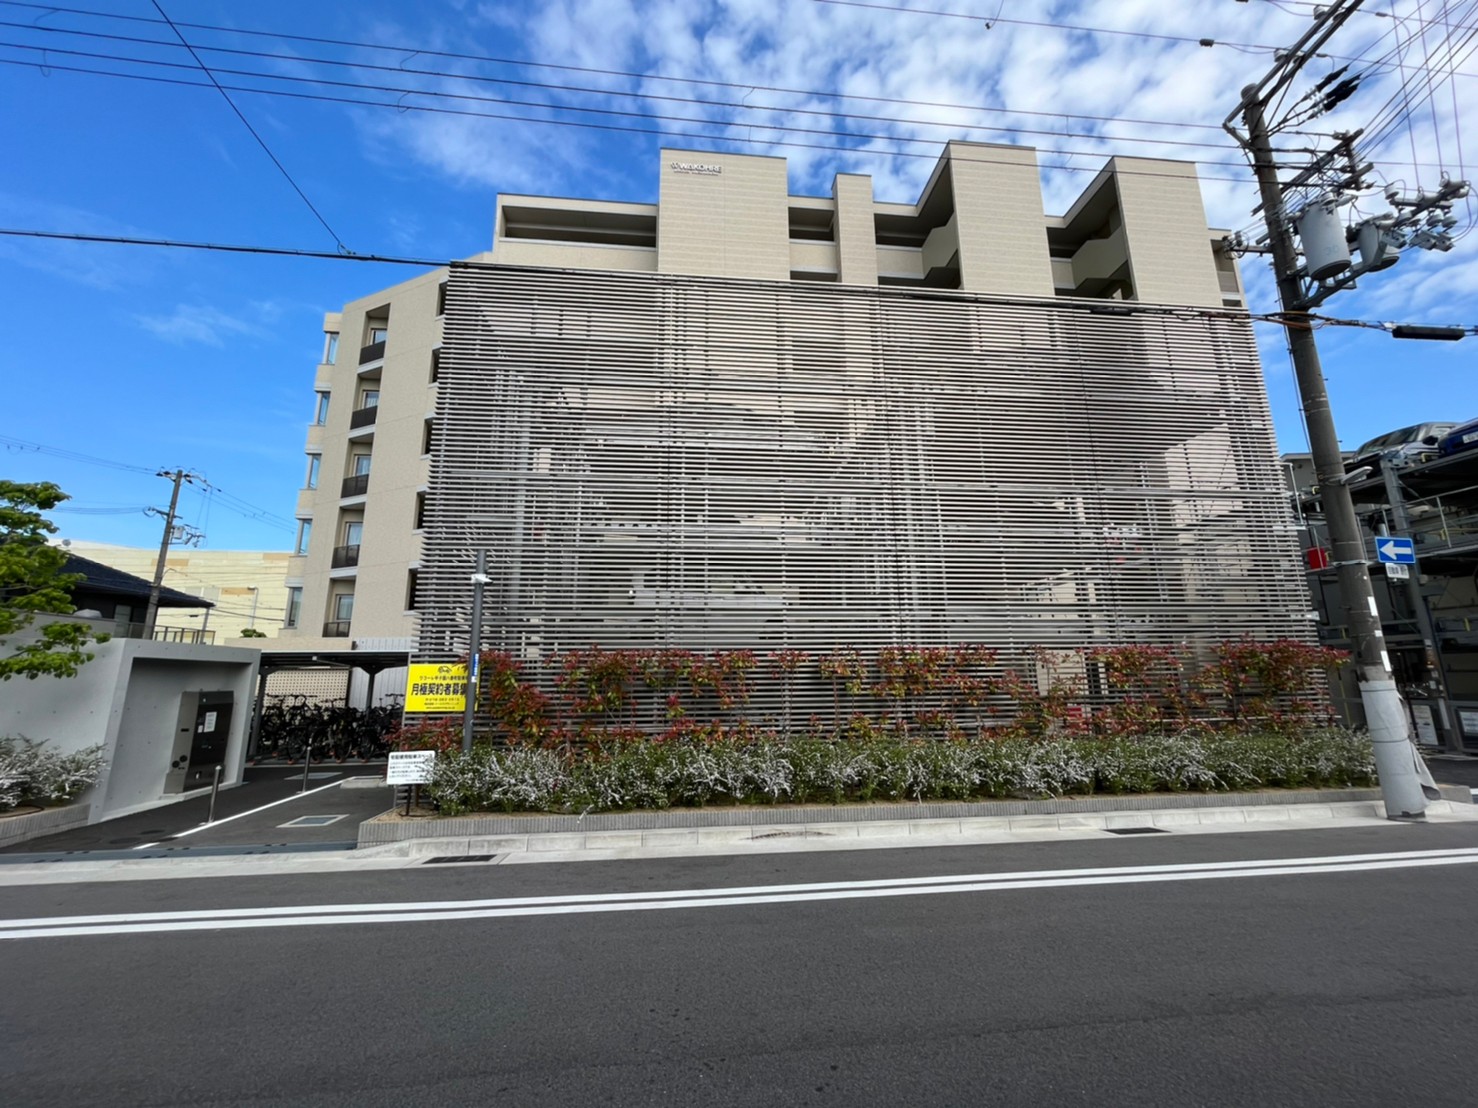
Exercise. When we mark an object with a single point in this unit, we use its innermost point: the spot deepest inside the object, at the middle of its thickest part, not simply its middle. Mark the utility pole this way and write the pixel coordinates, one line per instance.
(178, 477)
(1395, 757)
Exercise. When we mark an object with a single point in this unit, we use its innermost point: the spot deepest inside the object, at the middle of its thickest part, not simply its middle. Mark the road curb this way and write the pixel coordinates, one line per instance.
(863, 824)
(863, 834)
(381, 831)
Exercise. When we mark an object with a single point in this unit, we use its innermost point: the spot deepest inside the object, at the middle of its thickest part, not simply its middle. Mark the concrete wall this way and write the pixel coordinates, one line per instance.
(856, 233)
(390, 544)
(723, 215)
(1170, 253)
(1002, 229)
(248, 587)
(128, 699)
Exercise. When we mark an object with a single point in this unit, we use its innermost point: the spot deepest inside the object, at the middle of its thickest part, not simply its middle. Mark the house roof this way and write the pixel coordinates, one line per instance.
(97, 577)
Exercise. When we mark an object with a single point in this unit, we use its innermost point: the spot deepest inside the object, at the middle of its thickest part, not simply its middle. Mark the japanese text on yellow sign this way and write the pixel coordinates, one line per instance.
(436, 688)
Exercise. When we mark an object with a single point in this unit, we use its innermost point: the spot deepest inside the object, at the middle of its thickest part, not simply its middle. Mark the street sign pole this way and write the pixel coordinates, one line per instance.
(474, 647)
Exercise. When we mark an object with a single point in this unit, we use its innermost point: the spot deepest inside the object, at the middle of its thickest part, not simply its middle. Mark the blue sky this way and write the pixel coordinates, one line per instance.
(162, 358)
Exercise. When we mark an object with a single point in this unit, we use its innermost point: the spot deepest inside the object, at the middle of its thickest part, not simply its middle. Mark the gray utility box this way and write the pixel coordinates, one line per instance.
(200, 739)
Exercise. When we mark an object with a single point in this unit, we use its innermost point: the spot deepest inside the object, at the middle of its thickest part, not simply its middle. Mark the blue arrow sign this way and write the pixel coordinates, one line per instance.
(1399, 551)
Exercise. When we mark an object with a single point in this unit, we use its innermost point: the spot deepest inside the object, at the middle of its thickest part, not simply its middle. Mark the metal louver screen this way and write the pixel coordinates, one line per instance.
(711, 464)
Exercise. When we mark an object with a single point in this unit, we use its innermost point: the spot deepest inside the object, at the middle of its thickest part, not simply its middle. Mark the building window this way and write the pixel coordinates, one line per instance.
(361, 465)
(294, 606)
(435, 365)
(353, 532)
(320, 414)
(344, 607)
(412, 583)
(330, 347)
(377, 333)
(420, 510)
(441, 299)
(314, 462)
(305, 532)
(369, 398)
(428, 438)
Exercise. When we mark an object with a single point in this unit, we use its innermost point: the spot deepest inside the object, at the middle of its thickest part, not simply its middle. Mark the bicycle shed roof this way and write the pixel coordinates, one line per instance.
(370, 661)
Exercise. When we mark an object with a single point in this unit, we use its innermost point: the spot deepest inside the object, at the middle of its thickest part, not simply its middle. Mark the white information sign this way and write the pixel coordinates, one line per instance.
(210, 722)
(1426, 732)
(409, 767)
(1469, 723)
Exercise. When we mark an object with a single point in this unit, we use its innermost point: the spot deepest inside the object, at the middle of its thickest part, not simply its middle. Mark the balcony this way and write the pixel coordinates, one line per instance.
(357, 485)
(164, 634)
(336, 629)
(363, 417)
(372, 353)
(345, 556)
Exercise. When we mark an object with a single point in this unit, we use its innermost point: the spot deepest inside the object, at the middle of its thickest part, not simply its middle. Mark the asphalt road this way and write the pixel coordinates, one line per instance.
(1340, 986)
(180, 827)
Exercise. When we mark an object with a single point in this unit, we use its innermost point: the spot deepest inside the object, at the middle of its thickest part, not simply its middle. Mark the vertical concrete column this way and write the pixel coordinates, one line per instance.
(856, 232)
(1002, 228)
(1170, 256)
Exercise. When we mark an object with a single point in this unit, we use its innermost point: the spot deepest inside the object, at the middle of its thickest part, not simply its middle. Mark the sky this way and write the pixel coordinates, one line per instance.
(386, 128)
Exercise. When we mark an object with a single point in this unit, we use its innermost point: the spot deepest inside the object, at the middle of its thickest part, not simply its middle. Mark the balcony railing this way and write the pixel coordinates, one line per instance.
(163, 634)
(373, 352)
(346, 556)
(336, 629)
(357, 485)
(362, 417)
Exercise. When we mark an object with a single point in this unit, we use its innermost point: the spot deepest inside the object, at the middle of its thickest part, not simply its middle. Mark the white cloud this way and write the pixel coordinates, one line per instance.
(209, 326)
(1078, 96)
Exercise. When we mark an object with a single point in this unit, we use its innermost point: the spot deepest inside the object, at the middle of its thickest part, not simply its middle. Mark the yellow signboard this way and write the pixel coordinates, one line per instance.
(436, 688)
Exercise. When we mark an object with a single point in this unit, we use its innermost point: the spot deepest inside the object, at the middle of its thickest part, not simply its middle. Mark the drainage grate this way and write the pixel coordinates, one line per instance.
(1137, 831)
(313, 821)
(458, 858)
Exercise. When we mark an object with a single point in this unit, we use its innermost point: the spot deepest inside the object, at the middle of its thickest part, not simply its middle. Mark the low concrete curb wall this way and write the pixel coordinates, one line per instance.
(48, 821)
(378, 833)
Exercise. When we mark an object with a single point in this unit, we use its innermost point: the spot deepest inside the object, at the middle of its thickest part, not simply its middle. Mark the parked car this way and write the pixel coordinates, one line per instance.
(1407, 447)
(1462, 437)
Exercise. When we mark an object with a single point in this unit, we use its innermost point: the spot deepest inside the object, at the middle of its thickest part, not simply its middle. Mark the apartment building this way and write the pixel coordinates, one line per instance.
(743, 417)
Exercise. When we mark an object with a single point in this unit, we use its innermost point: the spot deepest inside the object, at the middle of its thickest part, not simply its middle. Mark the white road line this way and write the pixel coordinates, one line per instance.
(254, 811)
(335, 914)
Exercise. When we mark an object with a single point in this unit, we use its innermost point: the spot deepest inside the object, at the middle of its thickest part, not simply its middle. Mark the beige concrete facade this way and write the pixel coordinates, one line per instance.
(247, 587)
(1138, 232)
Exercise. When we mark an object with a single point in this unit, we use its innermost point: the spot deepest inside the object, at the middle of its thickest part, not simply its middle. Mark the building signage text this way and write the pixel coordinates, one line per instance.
(696, 167)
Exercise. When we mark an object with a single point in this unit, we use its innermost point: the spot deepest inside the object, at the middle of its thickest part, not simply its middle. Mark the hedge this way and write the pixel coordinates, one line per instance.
(767, 769)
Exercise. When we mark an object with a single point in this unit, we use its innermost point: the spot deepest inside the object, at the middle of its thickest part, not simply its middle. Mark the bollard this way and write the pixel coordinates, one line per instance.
(215, 787)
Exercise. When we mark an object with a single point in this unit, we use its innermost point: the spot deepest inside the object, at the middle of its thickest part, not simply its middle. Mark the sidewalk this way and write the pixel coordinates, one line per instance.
(861, 827)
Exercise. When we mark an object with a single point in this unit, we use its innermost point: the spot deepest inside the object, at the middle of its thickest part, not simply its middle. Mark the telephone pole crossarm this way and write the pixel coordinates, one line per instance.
(1397, 760)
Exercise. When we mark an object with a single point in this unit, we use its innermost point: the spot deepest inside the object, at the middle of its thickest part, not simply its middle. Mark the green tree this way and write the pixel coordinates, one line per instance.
(32, 584)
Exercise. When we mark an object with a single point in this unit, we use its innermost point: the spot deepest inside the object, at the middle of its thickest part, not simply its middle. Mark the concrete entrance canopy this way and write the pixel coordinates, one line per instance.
(132, 700)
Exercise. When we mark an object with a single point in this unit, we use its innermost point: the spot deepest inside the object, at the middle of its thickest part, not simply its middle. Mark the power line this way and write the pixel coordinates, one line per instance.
(1268, 317)
(1248, 47)
(661, 133)
(228, 500)
(124, 240)
(1047, 25)
(403, 50)
(247, 124)
(628, 95)
(25, 446)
